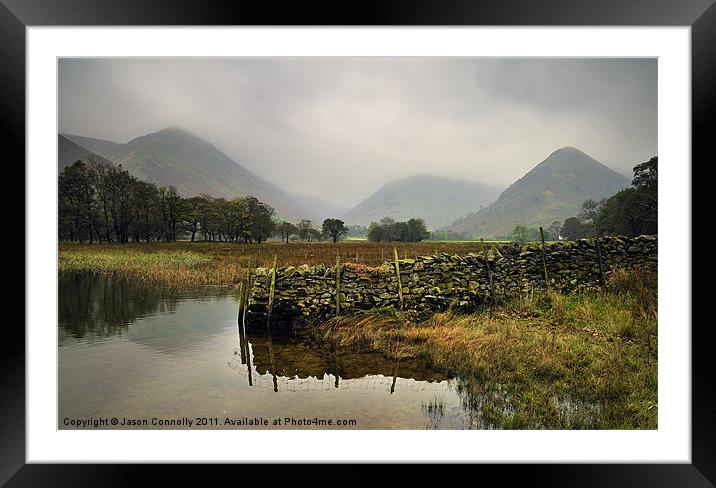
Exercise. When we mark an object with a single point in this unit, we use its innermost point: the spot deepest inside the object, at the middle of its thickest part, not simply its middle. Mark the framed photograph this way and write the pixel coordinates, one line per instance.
(426, 233)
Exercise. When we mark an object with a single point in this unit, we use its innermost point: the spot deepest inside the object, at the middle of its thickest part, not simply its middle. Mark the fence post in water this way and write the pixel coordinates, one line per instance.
(601, 265)
(338, 285)
(544, 258)
(397, 274)
(272, 290)
(241, 300)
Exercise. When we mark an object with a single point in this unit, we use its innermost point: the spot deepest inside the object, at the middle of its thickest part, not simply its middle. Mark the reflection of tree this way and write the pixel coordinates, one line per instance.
(98, 306)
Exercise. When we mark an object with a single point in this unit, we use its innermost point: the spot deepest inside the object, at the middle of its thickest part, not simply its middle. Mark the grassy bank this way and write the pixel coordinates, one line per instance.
(545, 361)
(188, 264)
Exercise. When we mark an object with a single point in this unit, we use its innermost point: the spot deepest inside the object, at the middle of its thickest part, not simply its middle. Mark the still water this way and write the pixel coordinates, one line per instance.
(143, 354)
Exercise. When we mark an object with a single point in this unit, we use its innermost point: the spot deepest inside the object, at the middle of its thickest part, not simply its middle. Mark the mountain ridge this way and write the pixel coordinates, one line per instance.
(552, 190)
(438, 200)
(176, 157)
(68, 152)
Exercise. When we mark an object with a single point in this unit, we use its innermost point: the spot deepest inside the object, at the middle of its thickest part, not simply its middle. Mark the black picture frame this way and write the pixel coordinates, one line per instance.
(16, 15)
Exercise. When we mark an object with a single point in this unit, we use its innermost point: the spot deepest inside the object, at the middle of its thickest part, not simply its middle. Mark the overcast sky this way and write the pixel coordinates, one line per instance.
(342, 127)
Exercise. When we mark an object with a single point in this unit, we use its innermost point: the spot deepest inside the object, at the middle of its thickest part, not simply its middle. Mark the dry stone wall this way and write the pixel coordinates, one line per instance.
(433, 283)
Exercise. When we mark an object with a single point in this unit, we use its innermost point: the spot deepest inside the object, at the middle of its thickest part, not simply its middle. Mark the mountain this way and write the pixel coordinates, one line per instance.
(68, 152)
(439, 201)
(317, 209)
(175, 157)
(552, 190)
(106, 149)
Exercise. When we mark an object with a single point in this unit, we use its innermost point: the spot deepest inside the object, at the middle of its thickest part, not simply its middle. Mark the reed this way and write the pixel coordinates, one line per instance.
(191, 264)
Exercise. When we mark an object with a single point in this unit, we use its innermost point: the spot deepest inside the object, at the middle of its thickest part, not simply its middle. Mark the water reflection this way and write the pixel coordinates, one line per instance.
(94, 306)
(127, 349)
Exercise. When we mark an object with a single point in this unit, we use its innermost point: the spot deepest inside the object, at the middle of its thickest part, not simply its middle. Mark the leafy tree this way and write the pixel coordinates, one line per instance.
(286, 230)
(303, 229)
(145, 224)
(645, 183)
(520, 233)
(590, 214)
(313, 235)
(388, 230)
(573, 229)
(76, 209)
(191, 221)
(416, 230)
(334, 228)
(375, 232)
(630, 212)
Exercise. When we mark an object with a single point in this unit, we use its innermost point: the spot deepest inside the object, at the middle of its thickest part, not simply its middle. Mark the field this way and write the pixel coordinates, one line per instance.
(188, 264)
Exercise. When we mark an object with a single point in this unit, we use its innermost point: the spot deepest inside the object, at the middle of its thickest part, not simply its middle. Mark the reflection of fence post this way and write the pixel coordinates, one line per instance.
(544, 258)
(395, 376)
(272, 290)
(397, 274)
(601, 265)
(338, 285)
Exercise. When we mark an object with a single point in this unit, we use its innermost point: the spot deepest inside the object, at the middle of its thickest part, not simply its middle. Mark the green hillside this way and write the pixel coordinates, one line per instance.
(552, 190)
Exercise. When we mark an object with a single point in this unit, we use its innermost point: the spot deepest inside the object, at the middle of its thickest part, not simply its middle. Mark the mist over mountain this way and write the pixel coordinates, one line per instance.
(175, 157)
(439, 201)
(553, 190)
(317, 209)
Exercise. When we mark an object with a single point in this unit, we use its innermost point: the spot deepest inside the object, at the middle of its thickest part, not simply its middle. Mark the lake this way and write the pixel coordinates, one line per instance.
(152, 359)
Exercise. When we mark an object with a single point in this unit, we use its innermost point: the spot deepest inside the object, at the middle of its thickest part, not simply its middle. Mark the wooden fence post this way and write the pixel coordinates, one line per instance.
(241, 300)
(489, 278)
(272, 290)
(544, 258)
(338, 285)
(397, 274)
(601, 265)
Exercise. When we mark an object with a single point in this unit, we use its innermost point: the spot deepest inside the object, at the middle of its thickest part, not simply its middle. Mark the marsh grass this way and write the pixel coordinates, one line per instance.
(578, 361)
(189, 264)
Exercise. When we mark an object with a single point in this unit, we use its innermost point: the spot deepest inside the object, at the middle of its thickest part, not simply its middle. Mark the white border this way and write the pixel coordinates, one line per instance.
(670, 443)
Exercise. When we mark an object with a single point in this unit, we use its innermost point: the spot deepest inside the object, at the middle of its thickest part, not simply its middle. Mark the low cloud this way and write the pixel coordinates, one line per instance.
(340, 128)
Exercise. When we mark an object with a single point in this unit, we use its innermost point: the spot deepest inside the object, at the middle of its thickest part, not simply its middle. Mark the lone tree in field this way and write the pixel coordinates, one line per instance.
(334, 228)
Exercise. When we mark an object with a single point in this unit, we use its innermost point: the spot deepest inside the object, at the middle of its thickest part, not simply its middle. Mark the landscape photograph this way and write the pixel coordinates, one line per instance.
(362, 243)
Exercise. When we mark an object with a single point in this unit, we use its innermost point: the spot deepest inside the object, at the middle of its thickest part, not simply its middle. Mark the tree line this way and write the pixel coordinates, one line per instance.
(101, 202)
(388, 230)
(98, 201)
